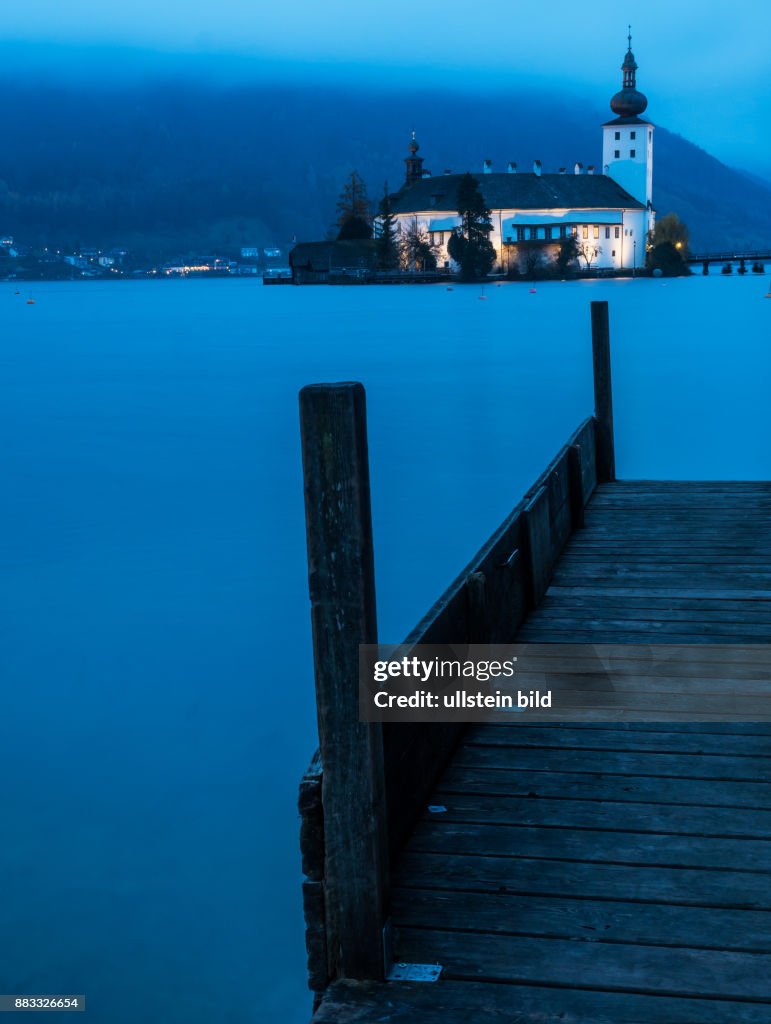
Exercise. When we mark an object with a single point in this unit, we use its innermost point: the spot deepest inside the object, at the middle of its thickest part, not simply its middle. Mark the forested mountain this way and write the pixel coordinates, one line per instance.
(183, 164)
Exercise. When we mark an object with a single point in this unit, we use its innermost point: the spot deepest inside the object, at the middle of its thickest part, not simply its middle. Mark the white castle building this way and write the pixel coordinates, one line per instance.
(609, 213)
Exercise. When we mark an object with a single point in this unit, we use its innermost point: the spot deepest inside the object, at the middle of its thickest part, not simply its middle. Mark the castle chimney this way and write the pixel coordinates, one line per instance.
(590, 169)
(578, 169)
(537, 167)
(512, 168)
(487, 167)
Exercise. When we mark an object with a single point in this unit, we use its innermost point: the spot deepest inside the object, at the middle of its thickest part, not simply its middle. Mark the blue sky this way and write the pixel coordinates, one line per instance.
(704, 67)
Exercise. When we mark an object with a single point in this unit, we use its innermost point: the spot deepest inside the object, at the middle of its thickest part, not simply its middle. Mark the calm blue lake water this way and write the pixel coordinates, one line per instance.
(157, 695)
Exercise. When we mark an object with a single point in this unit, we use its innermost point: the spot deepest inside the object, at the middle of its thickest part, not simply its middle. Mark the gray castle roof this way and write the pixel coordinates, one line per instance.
(518, 192)
(626, 119)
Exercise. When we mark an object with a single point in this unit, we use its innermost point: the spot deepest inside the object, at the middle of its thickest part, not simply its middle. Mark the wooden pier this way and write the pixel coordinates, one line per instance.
(606, 873)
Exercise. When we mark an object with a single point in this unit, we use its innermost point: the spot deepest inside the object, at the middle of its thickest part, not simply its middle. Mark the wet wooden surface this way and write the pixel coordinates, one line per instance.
(611, 872)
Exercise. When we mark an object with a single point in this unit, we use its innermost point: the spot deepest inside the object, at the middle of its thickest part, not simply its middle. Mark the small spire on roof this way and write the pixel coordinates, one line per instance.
(413, 162)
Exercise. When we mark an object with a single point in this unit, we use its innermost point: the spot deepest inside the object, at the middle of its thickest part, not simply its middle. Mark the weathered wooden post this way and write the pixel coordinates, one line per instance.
(342, 591)
(603, 393)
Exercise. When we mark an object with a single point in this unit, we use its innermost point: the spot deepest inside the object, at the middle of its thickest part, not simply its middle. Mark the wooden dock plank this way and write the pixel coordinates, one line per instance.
(682, 972)
(662, 741)
(456, 1002)
(600, 838)
(584, 920)
(655, 815)
(694, 887)
(602, 788)
(657, 765)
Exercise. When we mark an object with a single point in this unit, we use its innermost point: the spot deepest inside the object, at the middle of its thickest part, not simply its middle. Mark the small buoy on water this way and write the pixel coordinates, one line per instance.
(482, 298)
(30, 302)
(532, 291)
(450, 289)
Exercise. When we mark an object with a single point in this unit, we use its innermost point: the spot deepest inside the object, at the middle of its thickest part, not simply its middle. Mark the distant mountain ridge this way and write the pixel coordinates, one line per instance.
(182, 164)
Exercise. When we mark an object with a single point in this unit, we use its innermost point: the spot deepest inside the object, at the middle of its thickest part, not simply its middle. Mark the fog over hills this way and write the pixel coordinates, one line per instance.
(181, 164)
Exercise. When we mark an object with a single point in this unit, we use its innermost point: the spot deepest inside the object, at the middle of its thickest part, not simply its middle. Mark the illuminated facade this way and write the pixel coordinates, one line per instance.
(610, 213)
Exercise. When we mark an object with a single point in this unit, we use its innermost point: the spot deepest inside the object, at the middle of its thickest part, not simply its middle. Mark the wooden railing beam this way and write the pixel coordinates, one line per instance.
(577, 496)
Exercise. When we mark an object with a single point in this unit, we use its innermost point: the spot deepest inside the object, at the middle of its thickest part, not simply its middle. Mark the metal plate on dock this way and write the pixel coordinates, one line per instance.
(414, 972)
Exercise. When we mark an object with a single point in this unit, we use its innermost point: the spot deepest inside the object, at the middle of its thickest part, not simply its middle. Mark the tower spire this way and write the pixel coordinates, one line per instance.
(413, 162)
(629, 67)
(629, 102)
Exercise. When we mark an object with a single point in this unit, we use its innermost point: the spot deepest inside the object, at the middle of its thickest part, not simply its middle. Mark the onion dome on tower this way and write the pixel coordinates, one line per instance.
(629, 102)
(413, 162)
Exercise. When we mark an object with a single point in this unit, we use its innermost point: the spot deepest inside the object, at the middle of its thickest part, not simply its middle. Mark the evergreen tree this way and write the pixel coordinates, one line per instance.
(385, 233)
(354, 227)
(470, 244)
(567, 255)
(354, 218)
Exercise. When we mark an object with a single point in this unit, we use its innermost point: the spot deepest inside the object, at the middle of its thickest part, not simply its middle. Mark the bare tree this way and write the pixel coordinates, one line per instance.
(588, 252)
(417, 250)
(532, 263)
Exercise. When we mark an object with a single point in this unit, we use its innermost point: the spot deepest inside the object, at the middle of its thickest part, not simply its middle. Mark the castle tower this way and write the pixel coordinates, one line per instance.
(627, 140)
(414, 163)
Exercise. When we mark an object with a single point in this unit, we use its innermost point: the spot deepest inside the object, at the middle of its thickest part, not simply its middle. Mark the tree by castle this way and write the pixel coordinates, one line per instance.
(386, 238)
(354, 217)
(668, 246)
(470, 244)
